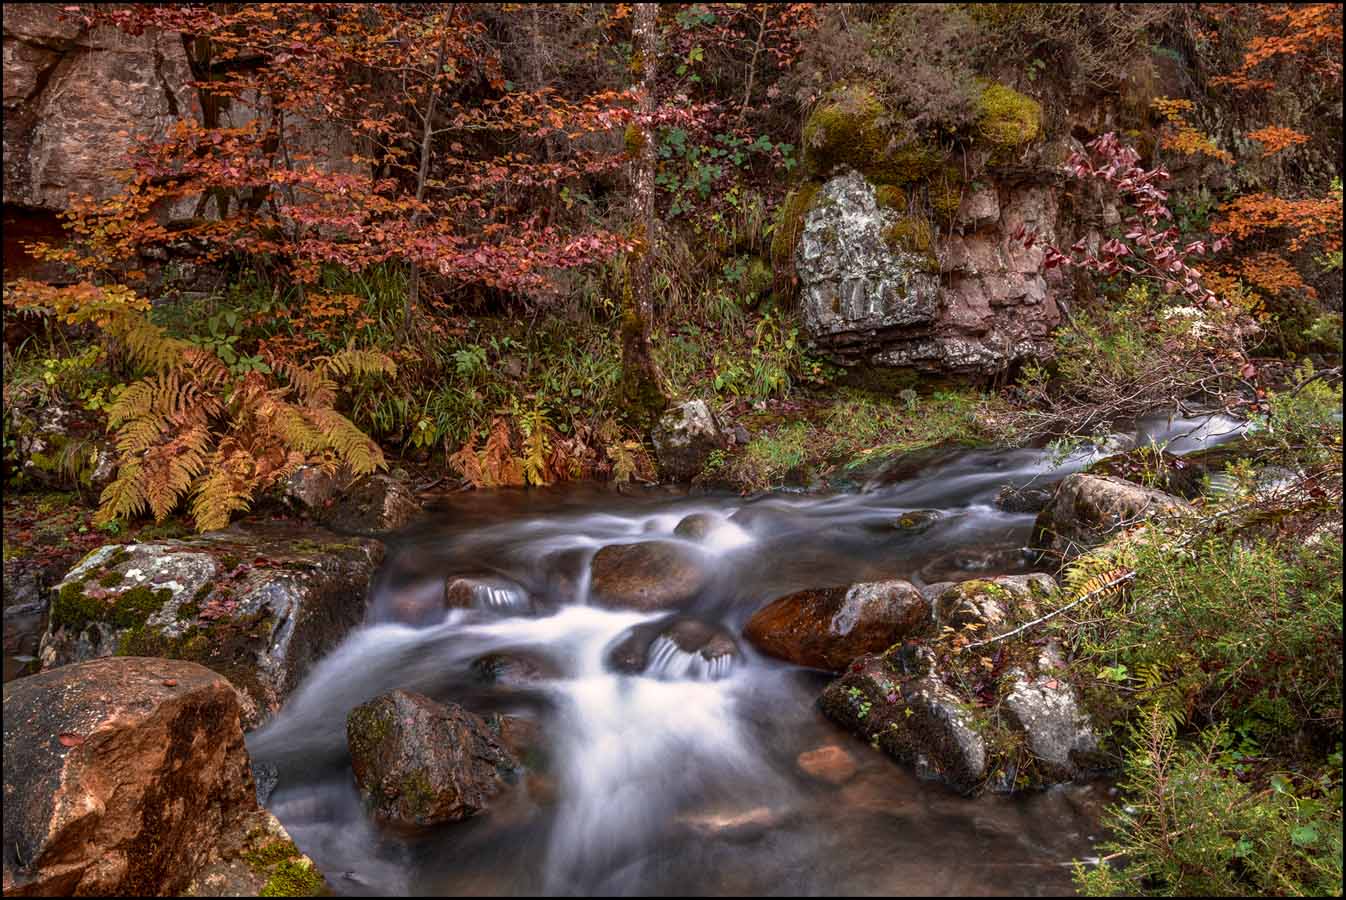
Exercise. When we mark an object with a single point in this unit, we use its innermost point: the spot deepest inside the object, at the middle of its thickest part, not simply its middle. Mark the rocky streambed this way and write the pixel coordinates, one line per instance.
(579, 692)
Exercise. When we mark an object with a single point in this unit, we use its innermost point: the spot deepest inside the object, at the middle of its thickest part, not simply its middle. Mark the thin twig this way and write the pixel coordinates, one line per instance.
(1054, 613)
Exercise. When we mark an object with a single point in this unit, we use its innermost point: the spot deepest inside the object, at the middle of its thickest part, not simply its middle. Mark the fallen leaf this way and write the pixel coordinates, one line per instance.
(170, 682)
(1052, 685)
(70, 740)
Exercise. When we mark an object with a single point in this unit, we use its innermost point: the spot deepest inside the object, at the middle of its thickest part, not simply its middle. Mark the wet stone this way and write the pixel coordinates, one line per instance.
(831, 764)
(679, 647)
(496, 595)
(649, 575)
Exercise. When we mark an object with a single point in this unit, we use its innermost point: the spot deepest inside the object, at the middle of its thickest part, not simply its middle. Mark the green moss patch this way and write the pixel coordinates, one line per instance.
(911, 234)
(790, 224)
(74, 608)
(851, 127)
(1007, 118)
(294, 878)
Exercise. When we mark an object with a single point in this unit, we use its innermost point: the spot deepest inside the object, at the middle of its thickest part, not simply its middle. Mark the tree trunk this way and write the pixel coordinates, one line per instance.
(642, 383)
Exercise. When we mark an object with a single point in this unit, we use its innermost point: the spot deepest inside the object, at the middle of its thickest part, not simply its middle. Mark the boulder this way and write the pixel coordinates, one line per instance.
(910, 715)
(684, 438)
(992, 601)
(697, 526)
(372, 505)
(418, 762)
(514, 669)
(130, 777)
(1047, 711)
(1023, 499)
(1087, 509)
(679, 647)
(828, 628)
(648, 575)
(259, 603)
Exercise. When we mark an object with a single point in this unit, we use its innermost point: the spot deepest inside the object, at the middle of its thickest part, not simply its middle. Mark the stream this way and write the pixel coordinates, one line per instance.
(681, 779)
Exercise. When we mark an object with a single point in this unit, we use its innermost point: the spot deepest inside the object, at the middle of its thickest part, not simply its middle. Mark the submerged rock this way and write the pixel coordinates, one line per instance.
(697, 526)
(418, 762)
(130, 777)
(831, 764)
(828, 628)
(679, 647)
(1023, 499)
(685, 437)
(1087, 509)
(259, 603)
(514, 669)
(648, 575)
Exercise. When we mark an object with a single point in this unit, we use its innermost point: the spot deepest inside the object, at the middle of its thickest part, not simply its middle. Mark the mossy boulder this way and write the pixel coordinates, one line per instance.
(418, 762)
(259, 603)
(851, 127)
(910, 233)
(986, 602)
(62, 446)
(1007, 119)
(1086, 510)
(789, 224)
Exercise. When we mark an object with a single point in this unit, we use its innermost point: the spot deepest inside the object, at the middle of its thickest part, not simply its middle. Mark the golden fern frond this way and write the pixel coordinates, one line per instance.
(351, 362)
(124, 497)
(498, 461)
(536, 447)
(293, 428)
(227, 488)
(313, 386)
(467, 463)
(146, 343)
(135, 400)
(353, 446)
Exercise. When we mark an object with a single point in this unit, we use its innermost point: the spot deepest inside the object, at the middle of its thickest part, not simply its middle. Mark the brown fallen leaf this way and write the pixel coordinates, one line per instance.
(170, 682)
(70, 740)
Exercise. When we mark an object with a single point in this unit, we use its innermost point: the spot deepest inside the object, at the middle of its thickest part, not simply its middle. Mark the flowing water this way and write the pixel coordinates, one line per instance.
(682, 778)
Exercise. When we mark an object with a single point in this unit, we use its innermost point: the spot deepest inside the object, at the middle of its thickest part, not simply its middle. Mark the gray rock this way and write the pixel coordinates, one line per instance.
(685, 437)
(1087, 509)
(696, 526)
(992, 601)
(62, 446)
(1048, 713)
(259, 603)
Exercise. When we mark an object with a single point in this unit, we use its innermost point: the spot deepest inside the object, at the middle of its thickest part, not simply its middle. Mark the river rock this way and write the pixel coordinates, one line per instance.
(1046, 710)
(831, 764)
(1087, 509)
(128, 777)
(912, 716)
(664, 647)
(685, 437)
(514, 669)
(498, 595)
(418, 762)
(372, 505)
(259, 603)
(1026, 499)
(992, 601)
(828, 628)
(648, 575)
(697, 526)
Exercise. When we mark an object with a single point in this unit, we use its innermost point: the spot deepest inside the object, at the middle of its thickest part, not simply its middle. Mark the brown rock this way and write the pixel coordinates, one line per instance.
(828, 628)
(831, 764)
(419, 762)
(138, 798)
(374, 504)
(648, 575)
(1087, 509)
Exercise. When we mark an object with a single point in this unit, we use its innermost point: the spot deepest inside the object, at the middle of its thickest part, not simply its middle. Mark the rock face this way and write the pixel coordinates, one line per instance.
(1046, 710)
(1087, 509)
(828, 628)
(258, 603)
(418, 762)
(122, 777)
(649, 575)
(685, 437)
(61, 445)
(75, 99)
(877, 287)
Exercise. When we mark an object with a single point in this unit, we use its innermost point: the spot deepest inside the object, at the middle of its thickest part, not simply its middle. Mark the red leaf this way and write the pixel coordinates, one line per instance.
(70, 740)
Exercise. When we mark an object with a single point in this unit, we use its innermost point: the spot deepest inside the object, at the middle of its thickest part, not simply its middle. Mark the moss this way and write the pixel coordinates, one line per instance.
(111, 578)
(909, 233)
(849, 128)
(790, 224)
(416, 794)
(1007, 118)
(633, 140)
(119, 556)
(890, 196)
(368, 727)
(75, 609)
(263, 858)
(294, 878)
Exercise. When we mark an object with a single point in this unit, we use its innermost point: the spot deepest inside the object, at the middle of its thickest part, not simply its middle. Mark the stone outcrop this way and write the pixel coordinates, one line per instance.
(684, 438)
(259, 603)
(372, 504)
(129, 777)
(828, 628)
(880, 287)
(1087, 509)
(75, 99)
(418, 762)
